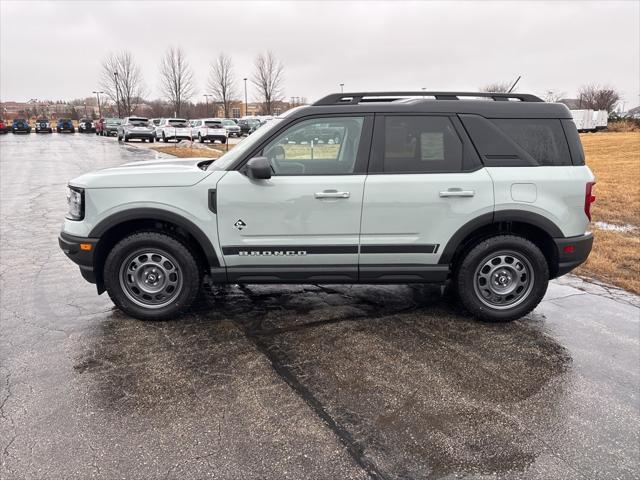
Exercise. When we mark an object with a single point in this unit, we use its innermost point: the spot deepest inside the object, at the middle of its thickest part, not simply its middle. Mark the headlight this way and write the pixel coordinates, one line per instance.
(75, 203)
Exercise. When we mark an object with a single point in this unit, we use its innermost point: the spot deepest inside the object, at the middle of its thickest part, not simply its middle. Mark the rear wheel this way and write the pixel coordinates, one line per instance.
(200, 139)
(151, 276)
(150, 139)
(164, 137)
(502, 278)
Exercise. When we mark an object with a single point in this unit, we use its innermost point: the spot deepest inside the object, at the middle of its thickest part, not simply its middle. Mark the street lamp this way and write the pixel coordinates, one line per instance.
(85, 109)
(115, 74)
(342, 88)
(246, 104)
(206, 99)
(99, 108)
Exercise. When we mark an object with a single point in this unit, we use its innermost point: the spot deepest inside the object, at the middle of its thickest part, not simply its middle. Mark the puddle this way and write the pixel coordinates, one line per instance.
(626, 228)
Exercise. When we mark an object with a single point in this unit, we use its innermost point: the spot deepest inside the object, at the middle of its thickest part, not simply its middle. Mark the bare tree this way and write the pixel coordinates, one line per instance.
(596, 97)
(122, 82)
(222, 82)
(554, 96)
(176, 78)
(268, 79)
(496, 87)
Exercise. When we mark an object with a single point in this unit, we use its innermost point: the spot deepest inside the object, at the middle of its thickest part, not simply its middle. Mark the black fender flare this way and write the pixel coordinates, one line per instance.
(145, 213)
(498, 216)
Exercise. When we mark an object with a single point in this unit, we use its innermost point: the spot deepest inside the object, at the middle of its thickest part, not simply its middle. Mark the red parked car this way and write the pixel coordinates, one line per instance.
(3, 127)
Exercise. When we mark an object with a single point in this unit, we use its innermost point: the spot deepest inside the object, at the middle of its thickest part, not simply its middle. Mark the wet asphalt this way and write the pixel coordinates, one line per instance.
(279, 382)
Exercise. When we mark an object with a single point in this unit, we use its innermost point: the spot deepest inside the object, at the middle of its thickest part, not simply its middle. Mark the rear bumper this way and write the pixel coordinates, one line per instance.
(70, 245)
(572, 252)
(139, 135)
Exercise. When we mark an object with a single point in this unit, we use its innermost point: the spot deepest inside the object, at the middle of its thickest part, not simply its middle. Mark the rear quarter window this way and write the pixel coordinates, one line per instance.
(543, 139)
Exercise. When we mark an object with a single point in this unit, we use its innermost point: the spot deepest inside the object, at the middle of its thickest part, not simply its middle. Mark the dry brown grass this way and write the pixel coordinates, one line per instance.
(615, 160)
(186, 152)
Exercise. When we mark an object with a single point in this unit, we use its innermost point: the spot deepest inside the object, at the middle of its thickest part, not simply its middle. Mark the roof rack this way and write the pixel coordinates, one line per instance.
(363, 97)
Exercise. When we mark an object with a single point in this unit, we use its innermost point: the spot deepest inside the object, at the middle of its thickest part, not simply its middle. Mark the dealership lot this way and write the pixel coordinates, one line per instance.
(293, 382)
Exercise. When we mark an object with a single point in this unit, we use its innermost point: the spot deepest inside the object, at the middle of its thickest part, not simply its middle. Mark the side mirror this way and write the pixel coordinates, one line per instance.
(259, 168)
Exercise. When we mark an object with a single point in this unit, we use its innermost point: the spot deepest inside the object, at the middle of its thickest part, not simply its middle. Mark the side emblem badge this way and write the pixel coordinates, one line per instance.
(240, 224)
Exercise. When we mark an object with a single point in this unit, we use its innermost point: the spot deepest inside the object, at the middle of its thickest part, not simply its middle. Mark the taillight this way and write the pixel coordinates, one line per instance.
(589, 199)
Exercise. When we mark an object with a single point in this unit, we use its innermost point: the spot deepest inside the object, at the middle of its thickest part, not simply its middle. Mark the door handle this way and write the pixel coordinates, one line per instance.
(332, 194)
(457, 192)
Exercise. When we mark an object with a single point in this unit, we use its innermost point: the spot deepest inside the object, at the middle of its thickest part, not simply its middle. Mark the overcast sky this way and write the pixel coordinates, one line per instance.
(54, 50)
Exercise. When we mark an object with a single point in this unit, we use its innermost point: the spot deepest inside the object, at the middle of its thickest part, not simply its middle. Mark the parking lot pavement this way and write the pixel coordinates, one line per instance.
(289, 381)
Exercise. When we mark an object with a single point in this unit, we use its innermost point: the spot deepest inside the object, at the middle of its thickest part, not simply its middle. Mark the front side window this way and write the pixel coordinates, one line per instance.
(421, 144)
(319, 146)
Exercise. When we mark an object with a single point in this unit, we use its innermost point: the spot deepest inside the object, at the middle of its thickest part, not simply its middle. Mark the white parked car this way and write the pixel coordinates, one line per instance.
(210, 129)
(173, 129)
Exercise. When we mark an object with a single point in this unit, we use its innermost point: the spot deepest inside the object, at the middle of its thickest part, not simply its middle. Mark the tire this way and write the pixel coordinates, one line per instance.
(502, 278)
(200, 139)
(150, 139)
(119, 138)
(161, 257)
(223, 141)
(164, 137)
(124, 137)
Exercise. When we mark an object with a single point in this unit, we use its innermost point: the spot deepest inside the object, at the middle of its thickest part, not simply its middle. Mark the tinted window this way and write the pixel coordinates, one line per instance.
(543, 139)
(213, 124)
(421, 144)
(321, 146)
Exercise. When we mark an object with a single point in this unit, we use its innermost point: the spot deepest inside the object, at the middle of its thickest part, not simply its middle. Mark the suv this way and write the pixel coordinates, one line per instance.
(135, 127)
(489, 194)
(111, 126)
(65, 125)
(3, 126)
(86, 125)
(248, 125)
(210, 129)
(20, 125)
(43, 125)
(232, 128)
(173, 129)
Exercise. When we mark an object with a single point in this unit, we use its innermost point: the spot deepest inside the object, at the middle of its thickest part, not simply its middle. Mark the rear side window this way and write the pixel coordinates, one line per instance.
(542, 139)
(420, 144)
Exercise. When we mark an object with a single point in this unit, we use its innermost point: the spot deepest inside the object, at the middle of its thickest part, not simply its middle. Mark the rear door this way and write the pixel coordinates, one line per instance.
(425, 182)
(304, 222)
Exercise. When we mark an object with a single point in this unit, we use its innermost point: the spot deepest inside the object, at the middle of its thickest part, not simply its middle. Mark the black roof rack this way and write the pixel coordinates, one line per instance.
(361, 97)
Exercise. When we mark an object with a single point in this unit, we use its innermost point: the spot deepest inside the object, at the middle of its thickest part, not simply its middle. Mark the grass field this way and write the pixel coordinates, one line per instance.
(614, 158)
(186, 152)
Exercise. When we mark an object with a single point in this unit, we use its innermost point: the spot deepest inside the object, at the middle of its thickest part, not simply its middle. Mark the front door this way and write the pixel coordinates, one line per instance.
(303, 223)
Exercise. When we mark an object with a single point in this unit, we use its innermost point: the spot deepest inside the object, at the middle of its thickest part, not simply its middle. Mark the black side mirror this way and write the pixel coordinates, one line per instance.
(259, 168)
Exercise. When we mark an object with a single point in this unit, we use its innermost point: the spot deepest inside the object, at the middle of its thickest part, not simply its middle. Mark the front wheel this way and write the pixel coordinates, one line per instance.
(150, 139)
(502, 278)
(151, 276)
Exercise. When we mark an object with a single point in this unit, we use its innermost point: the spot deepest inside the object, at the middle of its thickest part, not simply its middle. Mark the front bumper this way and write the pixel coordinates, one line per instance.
(572, 252)
(81, 251)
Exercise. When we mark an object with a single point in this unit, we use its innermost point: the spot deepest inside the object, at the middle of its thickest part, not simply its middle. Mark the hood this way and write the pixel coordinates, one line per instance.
(150, 173)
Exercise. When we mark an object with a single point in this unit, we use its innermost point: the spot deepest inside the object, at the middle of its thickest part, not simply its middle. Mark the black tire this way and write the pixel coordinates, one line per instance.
(119, 138)
(150, 139)
(510, 262)
(125, 251)
(164, 137)
(124, 137)
(223, 141)
(200, 139)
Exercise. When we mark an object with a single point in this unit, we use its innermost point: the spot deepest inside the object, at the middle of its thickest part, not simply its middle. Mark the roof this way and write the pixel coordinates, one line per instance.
(489, 105)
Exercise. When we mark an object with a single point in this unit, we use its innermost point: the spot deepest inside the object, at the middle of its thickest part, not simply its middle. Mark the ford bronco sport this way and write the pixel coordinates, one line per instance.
(488, 192)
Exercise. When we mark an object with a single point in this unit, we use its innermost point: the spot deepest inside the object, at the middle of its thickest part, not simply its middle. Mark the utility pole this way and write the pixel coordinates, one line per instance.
(246, 104)
(115, 74)
(85, 109)
(206, 99)
(99, 108)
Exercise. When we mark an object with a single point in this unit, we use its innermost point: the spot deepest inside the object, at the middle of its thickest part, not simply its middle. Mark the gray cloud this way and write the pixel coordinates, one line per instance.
(53, 50)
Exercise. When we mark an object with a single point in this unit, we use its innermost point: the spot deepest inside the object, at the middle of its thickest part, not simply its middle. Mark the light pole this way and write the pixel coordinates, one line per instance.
(246, 104)
(85, 109)
(342, 88)
(99, 108)
(206, 99)
(115, 74)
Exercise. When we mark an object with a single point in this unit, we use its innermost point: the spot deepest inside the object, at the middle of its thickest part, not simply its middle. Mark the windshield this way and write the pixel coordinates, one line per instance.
(64, 120)
(178, 123)
(229, 123)
(113, 121)
(244, 146)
